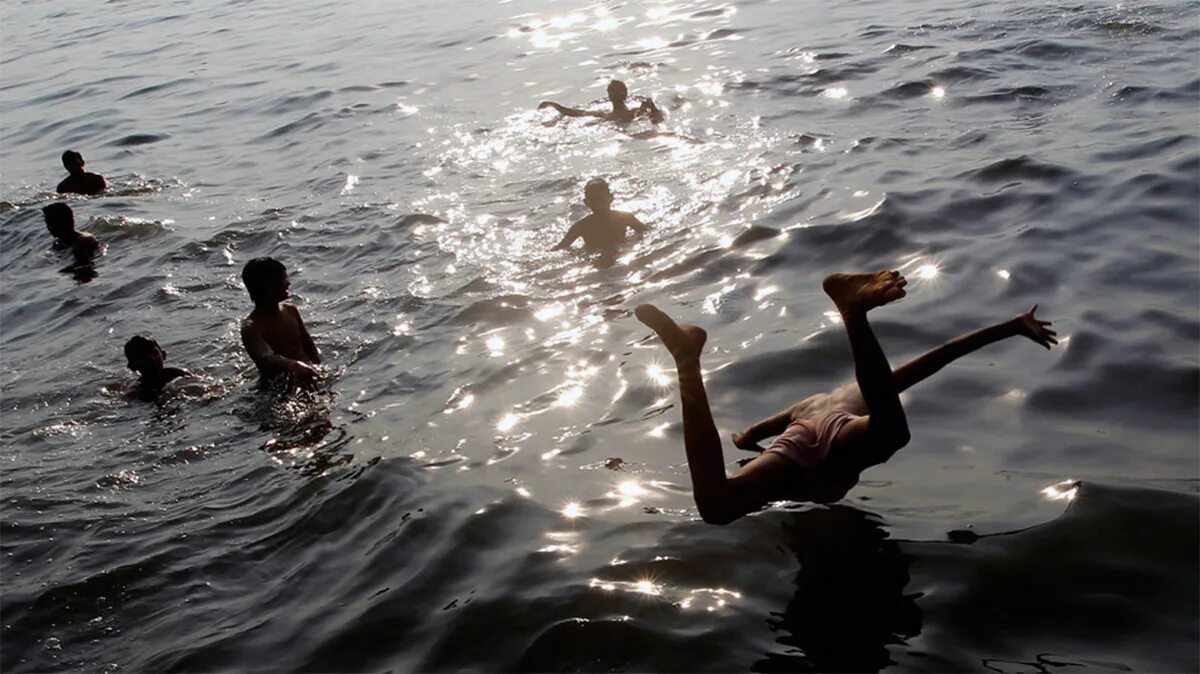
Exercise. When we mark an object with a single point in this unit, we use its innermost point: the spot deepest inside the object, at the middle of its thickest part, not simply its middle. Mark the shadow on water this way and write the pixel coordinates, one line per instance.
(850, 600)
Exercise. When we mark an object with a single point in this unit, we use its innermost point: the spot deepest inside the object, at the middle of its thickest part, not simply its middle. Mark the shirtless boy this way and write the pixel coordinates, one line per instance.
(826, 441)
(148, 359)
(79, 181)
(604, 230)
(618, 94)
(274, 334)
(60, 221)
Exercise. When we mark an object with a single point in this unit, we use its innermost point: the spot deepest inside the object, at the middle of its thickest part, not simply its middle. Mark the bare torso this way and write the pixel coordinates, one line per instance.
(282, 331)
(605, 231)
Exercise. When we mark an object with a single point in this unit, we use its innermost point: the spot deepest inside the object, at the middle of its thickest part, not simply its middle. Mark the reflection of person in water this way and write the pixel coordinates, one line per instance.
(604, 231)
(825, 442)
(618, 95)
(849, 603)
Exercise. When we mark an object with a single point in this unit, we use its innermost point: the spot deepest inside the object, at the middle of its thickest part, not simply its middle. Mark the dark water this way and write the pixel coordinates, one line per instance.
(445, 504)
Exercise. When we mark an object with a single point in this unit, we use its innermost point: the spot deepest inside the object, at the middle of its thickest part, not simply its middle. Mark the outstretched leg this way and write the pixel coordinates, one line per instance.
(867, 440)
(720, 499)
(1026, 325)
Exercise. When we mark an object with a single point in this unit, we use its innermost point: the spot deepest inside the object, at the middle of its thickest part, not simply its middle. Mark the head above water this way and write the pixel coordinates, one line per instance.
(266, 280)
(144, 354)
(60, 220)
(73, 161)
(597, 196)
(617, 92)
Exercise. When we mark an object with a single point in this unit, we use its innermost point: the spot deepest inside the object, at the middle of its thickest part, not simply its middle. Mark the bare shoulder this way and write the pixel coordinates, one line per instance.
(250, 326)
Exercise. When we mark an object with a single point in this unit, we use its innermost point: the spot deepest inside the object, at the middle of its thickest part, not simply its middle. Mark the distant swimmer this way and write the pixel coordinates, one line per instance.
(148, 359)
(79, 181)
(274, 334)
(604, 230)
(60, 220)
(618, 94)
(826, 441)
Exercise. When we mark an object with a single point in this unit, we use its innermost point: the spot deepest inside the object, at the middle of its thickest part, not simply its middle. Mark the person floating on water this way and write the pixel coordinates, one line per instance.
(604, 231)
(79, 181)
(148, 359)
(274, 334)
(826, 441)
(618, 94)
(60, 221)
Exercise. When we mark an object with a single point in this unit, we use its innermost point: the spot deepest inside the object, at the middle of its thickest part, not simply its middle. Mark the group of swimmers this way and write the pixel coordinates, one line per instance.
(823, 443)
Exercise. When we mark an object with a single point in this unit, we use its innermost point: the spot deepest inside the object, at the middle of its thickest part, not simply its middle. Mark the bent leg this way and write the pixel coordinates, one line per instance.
(719, 498)
(854, 296)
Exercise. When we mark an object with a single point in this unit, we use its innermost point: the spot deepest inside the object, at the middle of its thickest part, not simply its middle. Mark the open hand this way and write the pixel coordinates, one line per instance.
(1029, 326)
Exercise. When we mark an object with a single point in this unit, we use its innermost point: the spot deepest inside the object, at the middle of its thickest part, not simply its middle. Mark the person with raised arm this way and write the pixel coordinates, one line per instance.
(826, 441)
(618, 95)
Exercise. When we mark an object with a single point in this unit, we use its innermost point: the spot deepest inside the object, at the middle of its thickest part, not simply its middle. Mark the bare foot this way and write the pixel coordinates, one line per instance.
(685, 342)
(863, 292)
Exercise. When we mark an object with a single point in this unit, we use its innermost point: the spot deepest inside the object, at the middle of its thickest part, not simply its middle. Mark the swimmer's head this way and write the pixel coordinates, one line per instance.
(597, 196)
(144, 354)
(266, 280)
(60, 220)
(617, 91)
(73, 161)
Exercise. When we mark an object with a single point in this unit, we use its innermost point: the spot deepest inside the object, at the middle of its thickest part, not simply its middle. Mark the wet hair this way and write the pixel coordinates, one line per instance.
(259, 273)
(596, 188)
(137, 346)
(617, 89)
(72, 160)
(59, 215)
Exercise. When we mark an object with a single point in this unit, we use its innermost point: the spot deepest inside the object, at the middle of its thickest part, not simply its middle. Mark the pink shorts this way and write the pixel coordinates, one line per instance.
(807, 441)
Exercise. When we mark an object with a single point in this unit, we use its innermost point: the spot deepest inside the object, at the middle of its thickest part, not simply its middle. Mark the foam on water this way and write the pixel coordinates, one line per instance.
(494, 477)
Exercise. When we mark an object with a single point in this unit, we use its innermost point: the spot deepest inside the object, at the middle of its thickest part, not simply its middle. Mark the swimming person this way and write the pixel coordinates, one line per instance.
(827, 440)
(604, 231)
(148, 359)
(618, 94)
(274, 334)
(79, 181)
(60, 221)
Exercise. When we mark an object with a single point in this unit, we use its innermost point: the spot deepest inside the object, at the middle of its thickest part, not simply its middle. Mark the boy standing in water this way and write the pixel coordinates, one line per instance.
(618, 94)
(604, 230)
(60, 221)
(148, 359)
(274, 334)
(79, 181)
(826, 441)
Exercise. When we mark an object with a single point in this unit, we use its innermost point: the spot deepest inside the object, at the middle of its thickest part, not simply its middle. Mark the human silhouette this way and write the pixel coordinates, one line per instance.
(79, 181)
(618, 95)
(825, 441)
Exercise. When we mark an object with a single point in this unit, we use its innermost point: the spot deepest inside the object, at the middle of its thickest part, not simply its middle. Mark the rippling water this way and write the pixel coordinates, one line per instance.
(452, 501)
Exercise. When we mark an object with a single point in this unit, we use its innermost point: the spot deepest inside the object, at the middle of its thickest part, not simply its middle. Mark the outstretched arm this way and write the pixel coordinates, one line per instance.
(570, 112)
(1026, 325)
